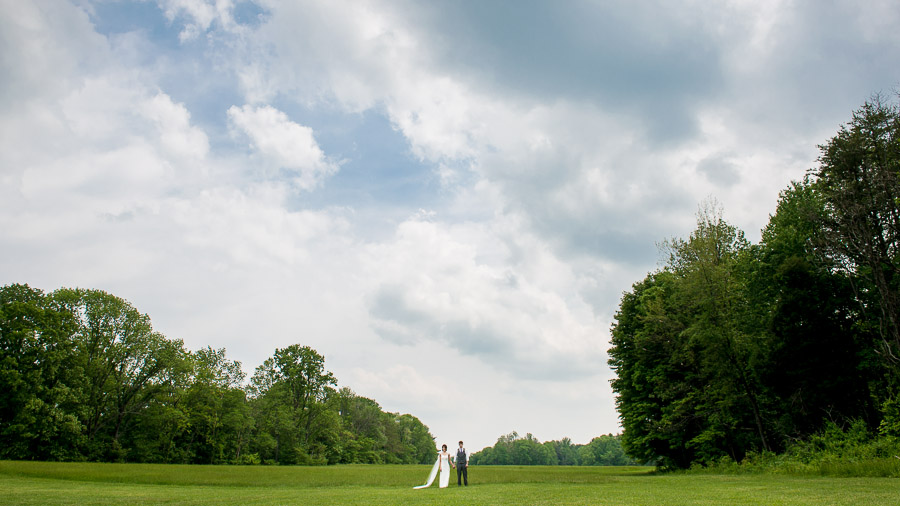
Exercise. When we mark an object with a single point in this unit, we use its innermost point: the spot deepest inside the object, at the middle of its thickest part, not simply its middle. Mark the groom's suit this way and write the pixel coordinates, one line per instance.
(462, 466)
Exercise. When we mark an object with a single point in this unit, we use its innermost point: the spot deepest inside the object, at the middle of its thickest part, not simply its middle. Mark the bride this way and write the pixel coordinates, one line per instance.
(443, 464)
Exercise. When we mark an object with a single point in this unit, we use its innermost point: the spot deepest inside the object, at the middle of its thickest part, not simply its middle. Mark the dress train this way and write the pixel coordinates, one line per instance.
(442, 465)
(434, 471)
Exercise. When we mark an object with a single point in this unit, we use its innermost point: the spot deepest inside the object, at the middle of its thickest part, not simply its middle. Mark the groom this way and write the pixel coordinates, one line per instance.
(462, 465)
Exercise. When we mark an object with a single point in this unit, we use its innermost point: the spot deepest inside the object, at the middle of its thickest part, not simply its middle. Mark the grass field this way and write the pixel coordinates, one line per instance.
(44, 483)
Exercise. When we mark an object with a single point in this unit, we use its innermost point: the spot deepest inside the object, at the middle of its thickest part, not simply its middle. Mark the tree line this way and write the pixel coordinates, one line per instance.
(512, 449)
(83, 376)
(733, 348)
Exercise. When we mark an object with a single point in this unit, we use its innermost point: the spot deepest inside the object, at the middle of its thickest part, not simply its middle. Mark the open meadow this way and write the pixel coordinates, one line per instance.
(44, 483)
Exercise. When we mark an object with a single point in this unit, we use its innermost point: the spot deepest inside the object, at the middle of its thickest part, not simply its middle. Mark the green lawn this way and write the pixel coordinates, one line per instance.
(43, 483)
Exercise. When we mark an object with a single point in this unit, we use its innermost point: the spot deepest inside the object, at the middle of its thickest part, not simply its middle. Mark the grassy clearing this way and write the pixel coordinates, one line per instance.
(113, 484)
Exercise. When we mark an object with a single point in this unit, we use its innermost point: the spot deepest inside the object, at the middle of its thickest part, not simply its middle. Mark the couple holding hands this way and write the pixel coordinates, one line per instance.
(444, 462)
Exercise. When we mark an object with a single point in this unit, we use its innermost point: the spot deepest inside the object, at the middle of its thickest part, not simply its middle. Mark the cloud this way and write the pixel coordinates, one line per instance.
(173, 122)
(570, 164)
(250, 227)
(622, 93)
(718, 169)
(598, 130)
(108, 146)
(459, 285)
(403, 384)
(199, 15)
(43, 51)
(283, 143)
(651, 59)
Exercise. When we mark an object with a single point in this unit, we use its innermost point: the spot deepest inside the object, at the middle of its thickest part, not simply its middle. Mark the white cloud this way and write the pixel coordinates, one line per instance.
(401, 384)
(85, 139)
(200, 15)
(107, 147)
(252, 227)
(463, 286)
(176, 134)
(44, 46)
(285, 144)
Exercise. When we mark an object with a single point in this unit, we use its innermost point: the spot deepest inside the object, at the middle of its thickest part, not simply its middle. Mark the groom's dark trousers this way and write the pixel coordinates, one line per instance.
(462, 471)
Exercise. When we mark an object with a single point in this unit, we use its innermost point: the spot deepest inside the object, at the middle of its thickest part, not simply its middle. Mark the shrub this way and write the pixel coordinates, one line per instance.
(835, 451)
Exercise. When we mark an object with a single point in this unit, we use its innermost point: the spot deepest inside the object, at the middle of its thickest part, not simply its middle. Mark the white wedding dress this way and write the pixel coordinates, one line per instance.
(443, 465)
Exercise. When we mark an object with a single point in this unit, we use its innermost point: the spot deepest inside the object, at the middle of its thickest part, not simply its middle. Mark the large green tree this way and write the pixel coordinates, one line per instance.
(858, 179)
(39, 377)
(713, 289)
(659, 380)
(163, 433)
(217, 410)
(687, 350)
(123, 361)
(733, 348)
(821, 354)
(291, 390)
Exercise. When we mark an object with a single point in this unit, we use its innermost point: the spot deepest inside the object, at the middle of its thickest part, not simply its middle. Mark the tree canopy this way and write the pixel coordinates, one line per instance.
(83, 376)
(732, 348)
(512, 449)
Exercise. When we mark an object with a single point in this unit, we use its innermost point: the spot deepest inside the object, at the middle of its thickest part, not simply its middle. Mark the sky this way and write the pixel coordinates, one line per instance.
(446, 199)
